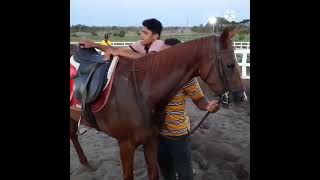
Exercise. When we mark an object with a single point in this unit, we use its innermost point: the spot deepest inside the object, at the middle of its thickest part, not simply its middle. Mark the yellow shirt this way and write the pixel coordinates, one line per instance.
(108, 43)
(176, 121)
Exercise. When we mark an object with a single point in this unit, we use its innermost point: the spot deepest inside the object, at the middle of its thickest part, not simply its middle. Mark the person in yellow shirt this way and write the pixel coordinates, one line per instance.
(106, 40)
(174, 156)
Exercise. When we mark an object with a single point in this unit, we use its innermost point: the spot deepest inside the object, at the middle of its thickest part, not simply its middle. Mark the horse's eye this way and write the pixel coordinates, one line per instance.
(231, 66)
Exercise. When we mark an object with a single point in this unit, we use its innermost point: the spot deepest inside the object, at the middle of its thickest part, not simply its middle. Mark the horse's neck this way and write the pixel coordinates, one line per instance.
(169, 70)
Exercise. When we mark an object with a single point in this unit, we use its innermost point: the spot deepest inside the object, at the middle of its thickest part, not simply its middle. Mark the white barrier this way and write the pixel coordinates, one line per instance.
(242, 53)
(236, 45)
(241, 45)
(243, 58)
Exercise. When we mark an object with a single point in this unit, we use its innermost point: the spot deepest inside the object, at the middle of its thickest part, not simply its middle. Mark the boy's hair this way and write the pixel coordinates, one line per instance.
(153, 25)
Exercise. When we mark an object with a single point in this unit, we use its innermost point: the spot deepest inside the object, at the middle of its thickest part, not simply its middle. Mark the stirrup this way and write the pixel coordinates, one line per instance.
(78, 131)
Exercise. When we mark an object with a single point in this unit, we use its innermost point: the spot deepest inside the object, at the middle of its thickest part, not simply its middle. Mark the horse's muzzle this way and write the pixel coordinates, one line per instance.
(239, 97)
(236, 98)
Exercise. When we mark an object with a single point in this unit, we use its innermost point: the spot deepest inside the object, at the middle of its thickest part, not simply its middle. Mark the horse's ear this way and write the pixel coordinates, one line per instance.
(227, 35)
(224, 38)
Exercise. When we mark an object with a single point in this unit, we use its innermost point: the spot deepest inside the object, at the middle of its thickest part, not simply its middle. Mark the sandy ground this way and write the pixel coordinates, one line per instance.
(220, 149)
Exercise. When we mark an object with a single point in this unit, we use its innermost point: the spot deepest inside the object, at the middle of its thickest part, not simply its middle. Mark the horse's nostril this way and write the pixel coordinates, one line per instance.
(239, 97)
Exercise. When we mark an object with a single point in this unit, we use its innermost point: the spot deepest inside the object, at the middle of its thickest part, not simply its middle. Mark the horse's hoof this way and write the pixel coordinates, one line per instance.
(91, 168)
(81, 169)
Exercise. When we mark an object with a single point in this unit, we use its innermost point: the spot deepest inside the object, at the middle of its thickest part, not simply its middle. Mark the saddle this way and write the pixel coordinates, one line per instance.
(90, 79)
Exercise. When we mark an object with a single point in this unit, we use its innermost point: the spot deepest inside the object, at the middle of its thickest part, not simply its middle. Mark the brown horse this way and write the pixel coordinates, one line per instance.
(132, 111)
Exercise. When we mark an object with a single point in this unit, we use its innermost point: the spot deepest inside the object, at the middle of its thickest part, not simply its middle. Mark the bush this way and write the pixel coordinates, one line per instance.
(93, 33)
(241, 37)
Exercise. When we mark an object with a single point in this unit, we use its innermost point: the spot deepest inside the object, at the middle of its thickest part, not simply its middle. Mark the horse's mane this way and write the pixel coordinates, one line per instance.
(165, 54)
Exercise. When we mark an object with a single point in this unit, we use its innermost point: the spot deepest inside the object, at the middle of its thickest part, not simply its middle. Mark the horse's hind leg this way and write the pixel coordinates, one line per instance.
(127, 155)
(75, 141)
(150, 154)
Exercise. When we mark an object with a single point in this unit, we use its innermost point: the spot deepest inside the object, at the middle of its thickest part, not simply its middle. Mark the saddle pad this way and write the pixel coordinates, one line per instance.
(100, 102)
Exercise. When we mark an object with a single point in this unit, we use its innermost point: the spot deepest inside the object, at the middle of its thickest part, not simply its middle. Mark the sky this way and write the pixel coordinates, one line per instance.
(168, 12)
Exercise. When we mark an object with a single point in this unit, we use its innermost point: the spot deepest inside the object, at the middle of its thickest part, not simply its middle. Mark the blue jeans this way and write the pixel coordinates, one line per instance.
(174, 156)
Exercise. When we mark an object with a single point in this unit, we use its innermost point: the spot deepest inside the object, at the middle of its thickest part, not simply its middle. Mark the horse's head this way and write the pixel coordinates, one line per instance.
(221, 71)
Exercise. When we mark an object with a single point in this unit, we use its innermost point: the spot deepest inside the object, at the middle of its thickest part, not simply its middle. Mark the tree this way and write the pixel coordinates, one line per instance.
(195, 29)
(122, 33)
(114, 28)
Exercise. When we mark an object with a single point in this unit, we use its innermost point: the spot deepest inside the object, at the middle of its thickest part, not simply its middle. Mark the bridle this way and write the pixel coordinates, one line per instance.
(224, 99)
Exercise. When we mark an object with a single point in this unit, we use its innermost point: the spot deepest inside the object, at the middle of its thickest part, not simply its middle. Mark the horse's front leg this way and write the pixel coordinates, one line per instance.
(127, 156)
